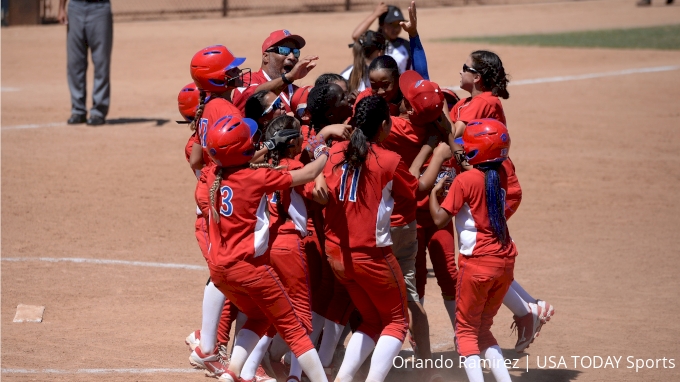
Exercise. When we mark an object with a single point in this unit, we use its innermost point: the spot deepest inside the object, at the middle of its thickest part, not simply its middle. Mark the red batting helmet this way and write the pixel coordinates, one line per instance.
(229, 141)
(486, 140)
(187, 101)
(209, 65)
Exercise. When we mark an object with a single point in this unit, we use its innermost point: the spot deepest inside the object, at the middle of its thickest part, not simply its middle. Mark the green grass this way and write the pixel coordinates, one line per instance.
(663, 37)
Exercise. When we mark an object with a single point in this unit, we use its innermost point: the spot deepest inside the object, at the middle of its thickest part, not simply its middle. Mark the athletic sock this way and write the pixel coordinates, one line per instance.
(295, 367)
(515, 303)
(473, 369)
(240, 320)
(245, 342)
(359, 347)
(213, 303)
(450, 306)
(255, 358)
(317, 327)
(331, 336)
(310, 363)
(383, 357)
(422, 301)
(496, 363)
(522, 293)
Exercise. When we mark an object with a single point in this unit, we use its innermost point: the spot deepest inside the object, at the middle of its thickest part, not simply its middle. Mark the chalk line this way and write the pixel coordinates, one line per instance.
(101, 371)
(108, 262)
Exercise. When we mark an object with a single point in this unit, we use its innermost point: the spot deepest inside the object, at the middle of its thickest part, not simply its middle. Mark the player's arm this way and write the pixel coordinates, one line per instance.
(440, 216)
(61, 15)
(196, 158)
(309, 172)
(366, 23)
(299, 71)
(320, 190)
(441, 154)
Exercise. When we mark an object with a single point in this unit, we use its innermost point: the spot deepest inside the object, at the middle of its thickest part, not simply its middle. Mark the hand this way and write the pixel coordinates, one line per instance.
(303, 67)
(411, 26)
(438, 189)
(380, 9)
(62, 17)
(280, 139)
(340, 131)
(352, 97)
(443, 151)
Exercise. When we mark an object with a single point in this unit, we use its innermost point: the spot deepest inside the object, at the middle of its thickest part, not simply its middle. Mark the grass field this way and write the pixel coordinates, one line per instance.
(662, 37)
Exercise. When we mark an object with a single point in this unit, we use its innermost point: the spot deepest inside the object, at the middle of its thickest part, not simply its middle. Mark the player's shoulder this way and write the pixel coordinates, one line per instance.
(291, 164)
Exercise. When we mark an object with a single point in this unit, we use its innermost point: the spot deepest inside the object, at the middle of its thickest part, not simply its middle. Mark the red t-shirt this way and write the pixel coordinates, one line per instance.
(295, 202)
(242, 232)
(241, 95)
(485, 105)
(361, 200)
(467, 200)
(215, 109)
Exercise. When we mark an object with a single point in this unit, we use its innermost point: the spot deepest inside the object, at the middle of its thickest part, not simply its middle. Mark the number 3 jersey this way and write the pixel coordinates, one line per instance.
(361, 200)
(242, 232)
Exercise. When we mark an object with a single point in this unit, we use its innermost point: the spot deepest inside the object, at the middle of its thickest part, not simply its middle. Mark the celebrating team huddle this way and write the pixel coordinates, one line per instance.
(317, 207)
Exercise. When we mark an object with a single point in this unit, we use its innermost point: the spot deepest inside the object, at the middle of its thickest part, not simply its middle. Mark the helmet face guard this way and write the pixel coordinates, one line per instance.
(209, 66)
(486, 140)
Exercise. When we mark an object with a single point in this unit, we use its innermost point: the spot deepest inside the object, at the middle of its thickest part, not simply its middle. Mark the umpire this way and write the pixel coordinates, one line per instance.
(89, 24)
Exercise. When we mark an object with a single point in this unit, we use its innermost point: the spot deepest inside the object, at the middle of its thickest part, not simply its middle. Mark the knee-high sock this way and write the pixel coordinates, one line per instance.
(311, 365)
(255, 358)
(245, 342)
(521, 292)
(450, 306)
(515, 303)
(213, 302)
(295, 367)
(383, 356)
(359, 347)
(240, 320)
(318, 322)
(331, 336)
(496, 363)
(473, 369)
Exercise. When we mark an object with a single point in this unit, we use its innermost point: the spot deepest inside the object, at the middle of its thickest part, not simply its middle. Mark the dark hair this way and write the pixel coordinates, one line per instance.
(369, 115)
(256, 105)
(319, 102)
(364, 47)
(329, 78)
(490, 67)
(495, 200)
(389, 64)
(277, 124)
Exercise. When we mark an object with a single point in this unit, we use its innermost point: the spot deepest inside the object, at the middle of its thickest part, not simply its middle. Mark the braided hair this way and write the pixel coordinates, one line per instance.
(329, 78)
(369, 116)
(495, 200)
(490, 67)
(320, 100)
(199, 111)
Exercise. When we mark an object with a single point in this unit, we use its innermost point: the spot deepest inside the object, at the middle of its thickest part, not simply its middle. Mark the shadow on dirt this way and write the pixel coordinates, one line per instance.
(126, 121)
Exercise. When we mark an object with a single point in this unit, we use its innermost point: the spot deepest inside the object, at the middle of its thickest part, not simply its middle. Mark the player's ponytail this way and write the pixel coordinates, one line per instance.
(490, 67)
(495, 200)
(199, 110)
(364, 47)
(213, 190)
(370, 114)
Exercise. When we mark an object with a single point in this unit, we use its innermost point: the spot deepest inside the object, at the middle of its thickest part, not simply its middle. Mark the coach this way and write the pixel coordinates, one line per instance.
(89, 24)
(281, 66)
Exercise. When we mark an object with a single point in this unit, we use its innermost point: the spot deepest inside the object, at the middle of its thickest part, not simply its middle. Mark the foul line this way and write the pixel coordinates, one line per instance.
(99, 371)
(513, 83)
(114, 262)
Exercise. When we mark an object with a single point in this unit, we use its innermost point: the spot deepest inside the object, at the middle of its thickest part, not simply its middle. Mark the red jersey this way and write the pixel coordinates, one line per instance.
(242, 232)
(294, 202)
(449, 168)
(467, 201)
(215, 109)
(485, 105)
(241, 95)
(361, 200)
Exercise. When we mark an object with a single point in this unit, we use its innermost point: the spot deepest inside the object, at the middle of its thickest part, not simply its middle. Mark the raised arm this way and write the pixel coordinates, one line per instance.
(366, 24)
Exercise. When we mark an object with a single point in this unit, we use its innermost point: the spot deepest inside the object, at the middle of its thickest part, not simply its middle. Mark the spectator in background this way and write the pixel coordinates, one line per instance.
(389, 24)
(89, 24)
(369, 46)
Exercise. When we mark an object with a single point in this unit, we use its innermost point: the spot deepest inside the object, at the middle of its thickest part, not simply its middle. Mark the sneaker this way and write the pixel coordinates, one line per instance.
(229, 376)
(224, 351)
(548, 311)
(527, 327)
(76, 119)
(193, 339)
(96, 120)
(260, 376)
(643, 3)
(213, 364)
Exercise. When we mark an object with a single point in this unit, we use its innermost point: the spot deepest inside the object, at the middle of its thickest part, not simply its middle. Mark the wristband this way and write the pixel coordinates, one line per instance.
(286, 80)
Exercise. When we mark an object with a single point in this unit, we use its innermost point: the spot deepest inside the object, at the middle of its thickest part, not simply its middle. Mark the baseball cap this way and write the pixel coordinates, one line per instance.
(280, 35)
(298, 103)
(393, 14)
(425, 97)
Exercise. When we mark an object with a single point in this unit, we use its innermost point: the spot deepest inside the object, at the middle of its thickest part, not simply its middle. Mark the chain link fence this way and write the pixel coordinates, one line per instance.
(174, 9)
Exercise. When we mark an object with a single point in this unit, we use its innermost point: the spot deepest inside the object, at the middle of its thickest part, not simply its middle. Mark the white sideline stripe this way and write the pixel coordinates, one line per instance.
(513, 83)
(99, 371)
(7, 89)
(102, 261)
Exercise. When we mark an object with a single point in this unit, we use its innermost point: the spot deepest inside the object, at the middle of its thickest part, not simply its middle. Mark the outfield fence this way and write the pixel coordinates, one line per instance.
(174, 9)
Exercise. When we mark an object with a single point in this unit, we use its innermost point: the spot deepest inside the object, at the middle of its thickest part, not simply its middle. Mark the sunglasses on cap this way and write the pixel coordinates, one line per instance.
(469, 69)
(284, 50)
(276, 105)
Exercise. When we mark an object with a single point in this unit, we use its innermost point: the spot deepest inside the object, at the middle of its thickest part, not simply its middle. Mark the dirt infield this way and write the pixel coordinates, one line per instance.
(597, 158)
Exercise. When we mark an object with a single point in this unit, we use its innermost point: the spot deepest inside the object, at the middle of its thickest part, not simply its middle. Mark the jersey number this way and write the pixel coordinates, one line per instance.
(353, 187)
(203, 131)
(226, 208)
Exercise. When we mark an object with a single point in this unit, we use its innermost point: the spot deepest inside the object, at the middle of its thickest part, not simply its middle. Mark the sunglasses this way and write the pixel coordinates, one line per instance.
(469, 69)
(276, 105)
(284, 51)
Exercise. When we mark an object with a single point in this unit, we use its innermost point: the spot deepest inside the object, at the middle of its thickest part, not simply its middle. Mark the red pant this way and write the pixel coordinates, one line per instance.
(482, 284)
(320, 274)
(440, 245)
(201, 231)
(375, 283)
(259, 294)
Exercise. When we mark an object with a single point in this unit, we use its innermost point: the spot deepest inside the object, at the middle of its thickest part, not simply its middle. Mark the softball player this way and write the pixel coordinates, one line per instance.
(363, 182)
(487, 253)
(390, 19)
(239, 236)
(484, 77)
